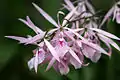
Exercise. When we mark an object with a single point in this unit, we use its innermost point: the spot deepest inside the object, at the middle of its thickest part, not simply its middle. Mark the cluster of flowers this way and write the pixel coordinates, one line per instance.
(77, 36)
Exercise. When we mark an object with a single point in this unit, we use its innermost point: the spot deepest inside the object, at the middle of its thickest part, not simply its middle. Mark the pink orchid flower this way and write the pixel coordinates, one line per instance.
(75, 37)
(115, 11)
(38, 58)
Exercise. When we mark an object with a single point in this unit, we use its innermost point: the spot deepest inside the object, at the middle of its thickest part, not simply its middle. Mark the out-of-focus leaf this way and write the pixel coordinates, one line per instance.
(73, 75)
(6, 53)
(50, 74)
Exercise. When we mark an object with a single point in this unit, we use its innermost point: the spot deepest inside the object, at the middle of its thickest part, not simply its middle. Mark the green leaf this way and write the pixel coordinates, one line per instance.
(6, 53)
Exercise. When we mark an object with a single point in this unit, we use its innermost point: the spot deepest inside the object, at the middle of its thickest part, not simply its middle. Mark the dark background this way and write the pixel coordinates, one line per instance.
(14, 56)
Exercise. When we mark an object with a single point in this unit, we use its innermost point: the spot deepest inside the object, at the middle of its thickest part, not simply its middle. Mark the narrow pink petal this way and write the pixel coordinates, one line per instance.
(110, 41)
(95, 46)
(89, 6)
(69, 36)
(118, 17)
(106, 43)
(79, 43)
(52, 50)
(75, 63)
(31, 63)
(88, 51)
(35, 38)
(56, 67)
(52, 31)
(109, 13)
(96, 57)
(105, 33)
(81, 7)
(74, 32)
(74, 55)
(68, 16)
(63, 68)
(36, 62)
(25, 22)
(21, 39)
(69, 3)
(115, 12)
(50, 63)
(77, 24)
(46, 16)
(30, 22)
(32, 26)
(41, 56)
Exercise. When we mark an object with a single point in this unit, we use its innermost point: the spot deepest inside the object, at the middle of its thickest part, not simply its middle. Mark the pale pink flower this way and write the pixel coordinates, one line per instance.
(29, 40)
(107, 39)
(115, 11)
(38, 58)
(58, 46)
(82, 6)
(67, 44)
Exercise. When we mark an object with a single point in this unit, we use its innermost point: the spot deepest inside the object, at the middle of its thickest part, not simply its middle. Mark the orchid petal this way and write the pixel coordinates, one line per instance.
(70, 6)
(69, 3)
(75, 63)
(79, 43)
(41, 56)
(105, 33)
(109, 13)
(35, 38)
(118, 17)
(89, 6)
(64, 69)
(78, 29)
(55, 66)
(74, 32)
(115, 12)
(68, 16)
(52, 31)
(30, 63)
(50, 63)
(88, 51)
(95, 46)
(25, 22)
(74, 55)
(110, 41)
(31, 25)
(46, 16)
(106, 42)
(77, 24)
(68, 35)
(52, 50)
(20, 39)
(81, 7)
(35, 28)
(36, 62)
(96, 57)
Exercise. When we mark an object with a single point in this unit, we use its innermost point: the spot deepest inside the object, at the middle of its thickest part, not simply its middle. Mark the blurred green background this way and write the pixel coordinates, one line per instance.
(14, 56)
